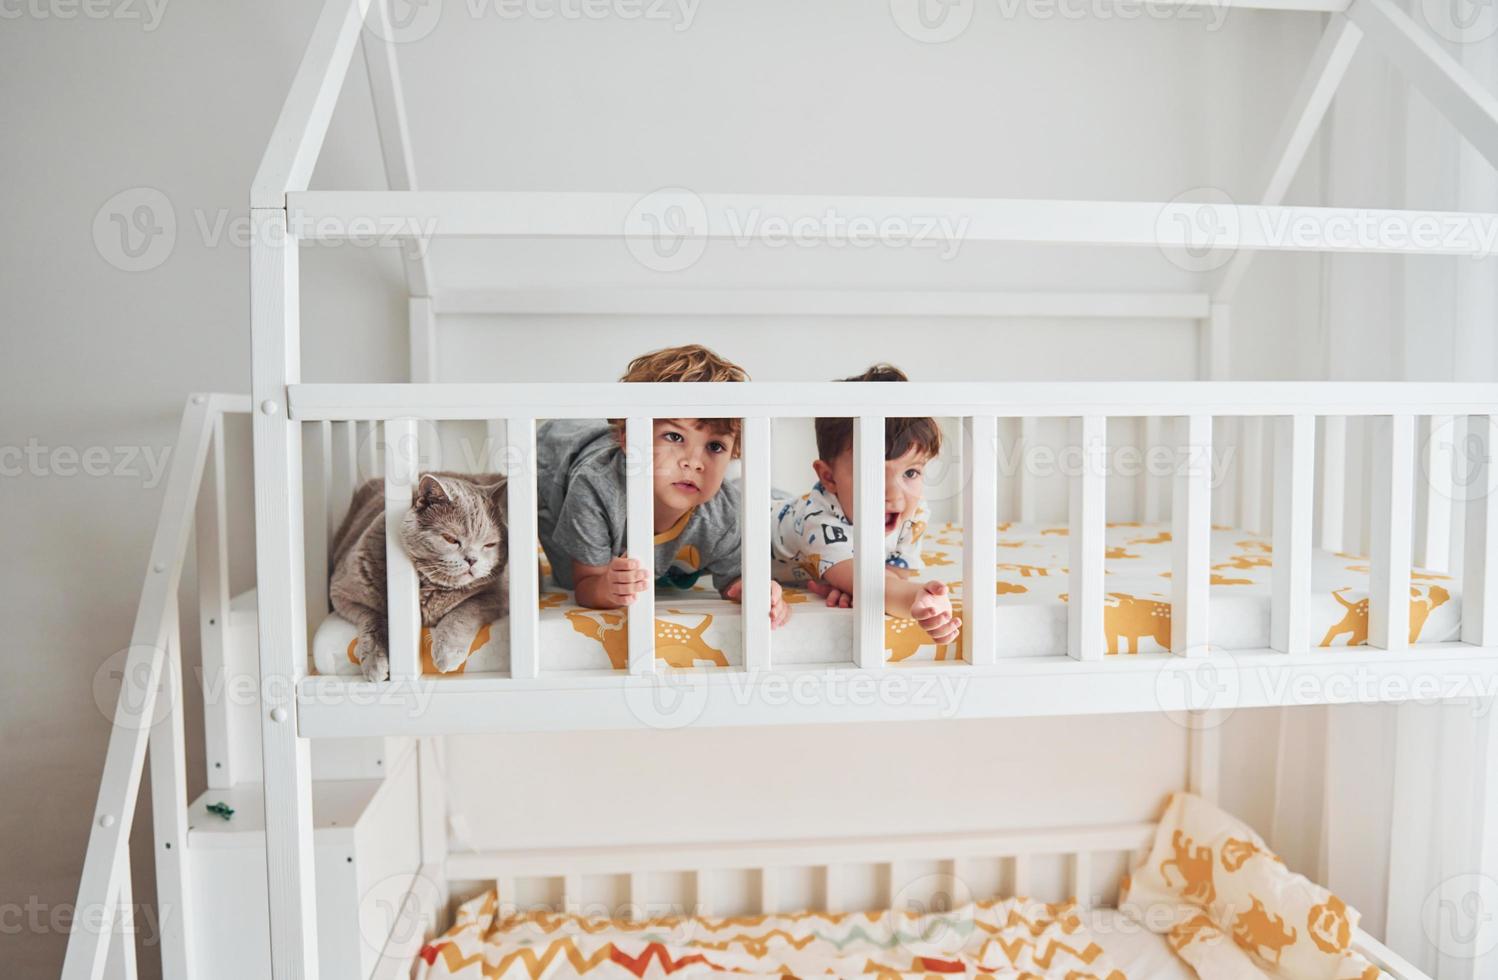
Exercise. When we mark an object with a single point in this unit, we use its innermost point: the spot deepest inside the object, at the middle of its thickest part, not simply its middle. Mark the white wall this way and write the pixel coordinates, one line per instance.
(754, 97)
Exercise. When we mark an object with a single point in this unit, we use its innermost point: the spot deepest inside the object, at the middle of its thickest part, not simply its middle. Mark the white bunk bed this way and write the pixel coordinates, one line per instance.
(297, 503)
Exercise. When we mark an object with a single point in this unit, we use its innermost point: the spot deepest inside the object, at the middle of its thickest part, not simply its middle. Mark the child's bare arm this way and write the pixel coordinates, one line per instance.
(608, 586)
(926, 602)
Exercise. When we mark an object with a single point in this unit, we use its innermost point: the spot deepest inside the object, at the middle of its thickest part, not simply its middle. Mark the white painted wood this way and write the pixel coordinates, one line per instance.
(402, 596)
(1308, 107)
(524, 569)
(1423, 60)
(1081, 878)
(431, 773)
(100, 884)
(317, 465)
(1433, 501)
(572, 893)
(1393, 439)
(1480, 551)
(1086, 504)
(719, 301)
(1191, 537)
(1018, 399)
(1229, 446)
(1485, 820)
(1217, 346)
(832, 888)
(344, 475)
(868, 541)
(1020, 871)
(379, 47)
(1251, 476)
(371, 451)
(211, 533)
(1412, 823)
(129, 969)
(980, 445)
(1290, 576)
(331, 215)
(275, 333)
(168, 748)
(1204, 754)
(422, 338)
(1333, 457)
(1011, 688)
(1309, 6)
(1391, 963)
(769, 902)
(640, 535)
(1153, 509)
(496, 446)
(1029, 497)
(756, 528)
(297, 137)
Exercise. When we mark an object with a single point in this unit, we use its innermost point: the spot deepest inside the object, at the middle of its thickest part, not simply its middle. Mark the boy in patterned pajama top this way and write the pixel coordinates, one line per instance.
(811, 536)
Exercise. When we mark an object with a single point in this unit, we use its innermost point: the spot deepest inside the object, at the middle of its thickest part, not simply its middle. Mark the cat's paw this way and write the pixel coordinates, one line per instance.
(449, 648)
(374, 659)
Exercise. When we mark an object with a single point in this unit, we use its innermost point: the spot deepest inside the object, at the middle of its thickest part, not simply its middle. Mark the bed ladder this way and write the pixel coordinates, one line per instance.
(153, 662)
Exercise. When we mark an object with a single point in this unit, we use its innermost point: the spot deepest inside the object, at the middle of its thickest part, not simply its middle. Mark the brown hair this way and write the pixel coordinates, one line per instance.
(835, 435)
(688, 363)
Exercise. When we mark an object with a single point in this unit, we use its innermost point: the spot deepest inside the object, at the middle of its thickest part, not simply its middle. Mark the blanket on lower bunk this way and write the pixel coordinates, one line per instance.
(1222, 903)
(697, 628)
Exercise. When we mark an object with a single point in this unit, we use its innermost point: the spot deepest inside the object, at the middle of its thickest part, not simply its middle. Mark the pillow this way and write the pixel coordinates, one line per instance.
(1290, 927)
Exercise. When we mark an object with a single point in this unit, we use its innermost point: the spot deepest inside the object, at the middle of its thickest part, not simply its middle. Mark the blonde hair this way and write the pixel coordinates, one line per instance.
(688, 363)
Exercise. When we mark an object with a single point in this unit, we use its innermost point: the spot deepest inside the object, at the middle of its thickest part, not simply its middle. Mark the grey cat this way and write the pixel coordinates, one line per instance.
(455, 535)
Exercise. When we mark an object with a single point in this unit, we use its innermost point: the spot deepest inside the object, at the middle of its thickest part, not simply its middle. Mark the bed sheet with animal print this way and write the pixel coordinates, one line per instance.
(697, 628)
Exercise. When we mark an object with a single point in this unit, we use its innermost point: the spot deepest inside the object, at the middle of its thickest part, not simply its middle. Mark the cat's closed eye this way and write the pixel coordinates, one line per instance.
(450, 539)
(492, 544)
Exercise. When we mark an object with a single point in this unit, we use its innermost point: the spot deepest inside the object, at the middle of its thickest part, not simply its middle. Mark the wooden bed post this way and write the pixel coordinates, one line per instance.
(276, 338)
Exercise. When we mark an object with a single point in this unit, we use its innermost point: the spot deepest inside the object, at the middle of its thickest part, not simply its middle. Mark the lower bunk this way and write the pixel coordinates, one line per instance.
(1196, 894)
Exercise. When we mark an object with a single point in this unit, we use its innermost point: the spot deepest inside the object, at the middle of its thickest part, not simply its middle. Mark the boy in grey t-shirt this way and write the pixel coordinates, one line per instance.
(581, 496)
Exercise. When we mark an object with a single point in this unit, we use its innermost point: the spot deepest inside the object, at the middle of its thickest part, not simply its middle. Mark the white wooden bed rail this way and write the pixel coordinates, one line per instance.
(1289, 409)
(152, 669)
(912, 873)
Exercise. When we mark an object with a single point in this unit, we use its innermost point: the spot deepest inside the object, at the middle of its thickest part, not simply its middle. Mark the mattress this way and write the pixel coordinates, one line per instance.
(1010, 938)
(697, 628)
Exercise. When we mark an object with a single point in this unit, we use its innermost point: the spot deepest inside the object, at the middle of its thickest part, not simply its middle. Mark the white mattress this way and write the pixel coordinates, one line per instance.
(698, 628)
(1139, 953)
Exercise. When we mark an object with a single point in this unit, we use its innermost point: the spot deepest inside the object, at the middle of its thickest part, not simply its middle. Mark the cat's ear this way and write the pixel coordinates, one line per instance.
(428, 492)
(499, 497)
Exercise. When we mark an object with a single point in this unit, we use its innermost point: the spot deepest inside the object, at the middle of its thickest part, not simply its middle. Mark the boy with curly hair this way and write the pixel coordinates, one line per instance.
(581, 493)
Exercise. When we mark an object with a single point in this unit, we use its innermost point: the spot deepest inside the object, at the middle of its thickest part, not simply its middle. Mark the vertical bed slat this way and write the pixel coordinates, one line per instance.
(317, 465)
(496, 444)
(1204, 754)
(343, 478)
(1084, 613)
(868, 541)
(1290, 575)
(212, 534)
(979, 515)
(1191, 537)
(1251, 476)
(525, 586)
(756, 553)
(402, 599)
(369, 451)
(1433, 507)
(1225, 500)
(124, 922)
(640, 538)
(1021, 884)
(1029, 437)
(1393, 440)
(832, 888)
(168, 752)
(572, 893)
(1334, 482)
(1154, 505)
(1480, 550)
(1081, 878)
(768, 904)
